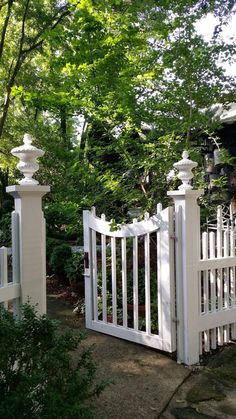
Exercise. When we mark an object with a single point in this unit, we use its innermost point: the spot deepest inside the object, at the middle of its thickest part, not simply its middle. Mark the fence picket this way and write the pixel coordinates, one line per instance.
(4, 271)
(233, 331)
(219, 231)
(147, 280)
(205, 273)
(3, 266)
(213, 338)
(200, 342)
(135, 280)
(233, 281)
(124, 281)
(113, 276)
(232, 269)
(226, 333)
(212, 239)
(204, 290)
(232, 240)
(226, 271)
(220, 335)
(207, 340)
(94, 270)
(219, 271)
(104, 274)
(212, 273)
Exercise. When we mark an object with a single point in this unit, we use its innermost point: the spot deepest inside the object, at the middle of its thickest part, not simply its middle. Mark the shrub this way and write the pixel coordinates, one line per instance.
(5, 230)
(59, 256)
(63, 221)
(51, 243)
(74, 267)
(38, 377)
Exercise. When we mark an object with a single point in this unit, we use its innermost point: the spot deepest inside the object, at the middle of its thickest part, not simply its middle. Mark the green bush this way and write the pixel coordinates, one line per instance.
(59, 256)
(5, 230)
(39, 379)
(74, 267)
(51, 243)
(63, 220)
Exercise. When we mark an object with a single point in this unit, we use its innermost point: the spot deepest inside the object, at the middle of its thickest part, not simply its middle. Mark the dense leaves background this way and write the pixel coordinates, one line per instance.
(112, 91)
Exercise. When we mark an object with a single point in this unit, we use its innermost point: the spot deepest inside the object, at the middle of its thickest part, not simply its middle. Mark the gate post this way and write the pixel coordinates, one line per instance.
(187, 248)
(29, 250)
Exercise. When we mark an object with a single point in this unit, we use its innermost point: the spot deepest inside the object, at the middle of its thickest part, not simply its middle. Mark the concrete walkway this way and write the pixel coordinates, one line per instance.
(148, 384)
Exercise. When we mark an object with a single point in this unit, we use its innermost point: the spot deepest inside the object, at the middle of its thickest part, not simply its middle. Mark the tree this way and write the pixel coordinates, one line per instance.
(119, 64)
(24, 26)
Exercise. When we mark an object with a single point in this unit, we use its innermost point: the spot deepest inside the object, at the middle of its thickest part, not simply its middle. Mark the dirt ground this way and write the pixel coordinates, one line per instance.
(148, 384)
(142, 380)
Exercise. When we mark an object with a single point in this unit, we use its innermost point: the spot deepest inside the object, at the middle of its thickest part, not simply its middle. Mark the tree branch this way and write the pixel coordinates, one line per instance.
(17, 67)
(36, 44)
(5, 25)
(23, 53)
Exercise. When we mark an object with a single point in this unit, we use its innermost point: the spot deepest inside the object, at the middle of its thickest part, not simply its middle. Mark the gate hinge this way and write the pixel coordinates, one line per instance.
(175, 320)
(174, 237)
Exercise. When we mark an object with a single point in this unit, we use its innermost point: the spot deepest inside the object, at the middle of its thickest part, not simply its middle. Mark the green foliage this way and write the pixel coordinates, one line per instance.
(141, 287)
(137, 72)
(51, 243)
(63, 220)
(5, 230)
(59, 256)
(74, 267)
(39, 379)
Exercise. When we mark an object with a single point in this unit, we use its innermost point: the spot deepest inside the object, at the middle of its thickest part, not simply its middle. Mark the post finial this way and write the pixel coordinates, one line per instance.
(185, 174)
(27, 154)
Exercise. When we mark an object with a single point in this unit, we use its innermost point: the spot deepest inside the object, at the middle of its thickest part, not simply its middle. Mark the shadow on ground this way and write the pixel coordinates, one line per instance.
(148, 384)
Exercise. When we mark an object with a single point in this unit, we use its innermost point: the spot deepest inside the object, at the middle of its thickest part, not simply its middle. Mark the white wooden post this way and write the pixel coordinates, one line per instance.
(187, 233)
(88, 270)
(29, 241)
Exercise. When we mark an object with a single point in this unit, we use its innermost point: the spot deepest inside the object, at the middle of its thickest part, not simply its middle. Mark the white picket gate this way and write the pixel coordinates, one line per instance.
(195, 276)
(134, 259)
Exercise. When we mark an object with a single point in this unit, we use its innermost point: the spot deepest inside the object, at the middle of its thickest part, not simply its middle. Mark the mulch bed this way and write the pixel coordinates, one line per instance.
(61, 291)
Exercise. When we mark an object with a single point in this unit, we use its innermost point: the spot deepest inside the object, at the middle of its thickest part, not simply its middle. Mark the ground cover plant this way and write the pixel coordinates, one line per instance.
(38, 376)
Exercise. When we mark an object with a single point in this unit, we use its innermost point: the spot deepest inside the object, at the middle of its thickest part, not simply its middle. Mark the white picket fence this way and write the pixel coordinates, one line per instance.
(217, 285)
(9, 271)
(9, 288)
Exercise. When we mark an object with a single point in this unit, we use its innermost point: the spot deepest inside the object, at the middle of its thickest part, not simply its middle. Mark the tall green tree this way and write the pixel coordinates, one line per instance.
(119, 64)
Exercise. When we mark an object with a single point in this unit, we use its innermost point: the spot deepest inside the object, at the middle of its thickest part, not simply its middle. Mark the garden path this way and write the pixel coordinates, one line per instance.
(148, 384)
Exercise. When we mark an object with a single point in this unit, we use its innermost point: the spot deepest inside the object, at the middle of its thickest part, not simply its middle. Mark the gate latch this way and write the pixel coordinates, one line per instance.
(86, 260)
